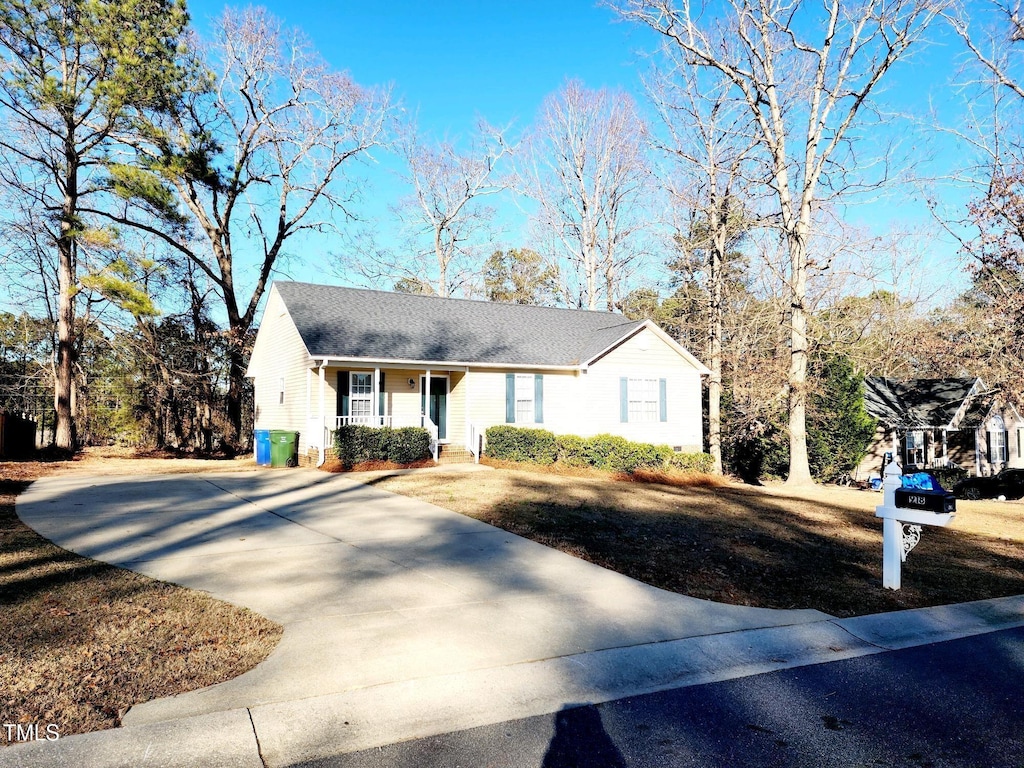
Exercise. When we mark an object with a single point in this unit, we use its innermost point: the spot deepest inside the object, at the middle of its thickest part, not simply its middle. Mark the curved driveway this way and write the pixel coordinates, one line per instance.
(402, 619)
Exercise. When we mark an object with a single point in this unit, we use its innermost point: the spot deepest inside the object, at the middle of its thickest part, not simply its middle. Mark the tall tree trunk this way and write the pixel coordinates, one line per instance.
(715, 349)
(65, 431)
(799, 467)
(236, 374)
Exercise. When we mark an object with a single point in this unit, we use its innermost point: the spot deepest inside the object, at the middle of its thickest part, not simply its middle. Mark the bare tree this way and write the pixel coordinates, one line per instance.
(997, 50)
(808, 74)
(710, 144)
(258, 157)
(446, 212)
(586, 166)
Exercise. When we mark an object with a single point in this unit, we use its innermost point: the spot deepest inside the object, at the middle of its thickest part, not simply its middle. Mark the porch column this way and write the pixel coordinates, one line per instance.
(376, 397)
(471, 433)
(323, 409)
(977, 452)
(322, 438)
(426, 397)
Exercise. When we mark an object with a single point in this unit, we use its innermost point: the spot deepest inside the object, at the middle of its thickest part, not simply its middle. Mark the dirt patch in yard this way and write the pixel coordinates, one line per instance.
(770, 547)
(81, 641)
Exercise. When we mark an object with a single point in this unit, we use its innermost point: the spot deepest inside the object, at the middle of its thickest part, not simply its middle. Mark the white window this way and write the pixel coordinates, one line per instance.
(915, 448)
(643, 400)
(997, 445)
(525, 388)
(361, 397)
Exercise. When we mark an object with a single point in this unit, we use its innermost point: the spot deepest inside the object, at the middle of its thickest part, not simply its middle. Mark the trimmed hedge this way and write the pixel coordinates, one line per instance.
(948, 476)
(617, 454)
(355, 443)
(608, 452)
(692, 462)
(572, 451)
(519, 444)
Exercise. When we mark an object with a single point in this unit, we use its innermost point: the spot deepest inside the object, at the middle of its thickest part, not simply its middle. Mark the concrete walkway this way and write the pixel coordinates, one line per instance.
(404, 620)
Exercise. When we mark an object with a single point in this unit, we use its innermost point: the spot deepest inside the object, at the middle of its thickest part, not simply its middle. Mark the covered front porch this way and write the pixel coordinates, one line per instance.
(436, 399)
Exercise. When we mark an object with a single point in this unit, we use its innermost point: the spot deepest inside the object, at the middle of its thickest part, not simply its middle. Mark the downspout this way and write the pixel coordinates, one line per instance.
(324, 437)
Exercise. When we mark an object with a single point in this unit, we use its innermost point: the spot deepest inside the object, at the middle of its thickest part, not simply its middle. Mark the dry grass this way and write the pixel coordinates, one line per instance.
(81, 641)
(771, 547)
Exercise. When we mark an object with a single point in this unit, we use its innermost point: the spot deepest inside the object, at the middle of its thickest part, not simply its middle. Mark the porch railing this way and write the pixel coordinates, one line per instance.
(366, 421)
(431, 428)
(474, 440)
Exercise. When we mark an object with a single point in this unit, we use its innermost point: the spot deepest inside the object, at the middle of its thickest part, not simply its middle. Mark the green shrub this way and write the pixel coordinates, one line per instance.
(355, 443)
(608, 452)
(948, 476)
(617, 454)
(519, 444)
(408, 444)
(692, 462)
(572, 451)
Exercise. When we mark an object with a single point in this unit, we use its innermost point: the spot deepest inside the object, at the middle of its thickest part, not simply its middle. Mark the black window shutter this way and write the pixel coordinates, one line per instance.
(343, 382)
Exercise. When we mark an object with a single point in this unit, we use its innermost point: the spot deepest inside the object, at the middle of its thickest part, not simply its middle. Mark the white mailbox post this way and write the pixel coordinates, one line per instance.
(897, 541)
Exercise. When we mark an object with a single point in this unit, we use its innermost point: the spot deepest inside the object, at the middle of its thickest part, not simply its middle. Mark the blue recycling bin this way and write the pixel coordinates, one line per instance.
(262, 443)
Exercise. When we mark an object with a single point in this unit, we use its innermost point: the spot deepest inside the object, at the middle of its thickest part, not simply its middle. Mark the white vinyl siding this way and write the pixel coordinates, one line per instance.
(643, 357)
(279, 368)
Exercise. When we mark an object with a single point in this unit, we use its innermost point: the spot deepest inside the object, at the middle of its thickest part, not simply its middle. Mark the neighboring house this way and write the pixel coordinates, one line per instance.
(326, 356)
(937, 422)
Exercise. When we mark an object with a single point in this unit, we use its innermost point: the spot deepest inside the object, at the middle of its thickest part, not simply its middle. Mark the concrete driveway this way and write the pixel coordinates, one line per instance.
(401, 619)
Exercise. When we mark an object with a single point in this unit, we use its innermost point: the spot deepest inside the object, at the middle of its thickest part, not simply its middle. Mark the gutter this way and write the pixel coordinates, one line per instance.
(440, 364)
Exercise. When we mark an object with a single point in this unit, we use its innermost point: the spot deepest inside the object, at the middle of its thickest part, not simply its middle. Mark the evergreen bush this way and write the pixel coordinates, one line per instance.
(355, 444)
(520, 444)
(572, 450)
(692, 462)
(608, 452)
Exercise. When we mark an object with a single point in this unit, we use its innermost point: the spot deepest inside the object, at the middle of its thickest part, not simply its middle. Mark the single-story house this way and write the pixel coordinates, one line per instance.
(325, 356)
(933, 423)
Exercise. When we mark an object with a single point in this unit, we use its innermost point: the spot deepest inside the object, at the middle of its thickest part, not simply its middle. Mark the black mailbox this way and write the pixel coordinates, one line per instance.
(938, 501)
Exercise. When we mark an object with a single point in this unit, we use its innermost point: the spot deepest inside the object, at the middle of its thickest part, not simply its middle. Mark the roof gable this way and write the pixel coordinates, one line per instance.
(919, 403)
(353, 323)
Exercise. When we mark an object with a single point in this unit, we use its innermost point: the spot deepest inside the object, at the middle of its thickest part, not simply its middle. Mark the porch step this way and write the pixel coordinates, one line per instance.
(453, 454)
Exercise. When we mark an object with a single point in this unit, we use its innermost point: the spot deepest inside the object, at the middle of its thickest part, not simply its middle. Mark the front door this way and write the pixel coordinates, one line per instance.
(438, 403)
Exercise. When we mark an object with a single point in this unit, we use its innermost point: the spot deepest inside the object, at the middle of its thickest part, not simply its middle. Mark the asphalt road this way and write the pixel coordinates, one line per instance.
(958, 703)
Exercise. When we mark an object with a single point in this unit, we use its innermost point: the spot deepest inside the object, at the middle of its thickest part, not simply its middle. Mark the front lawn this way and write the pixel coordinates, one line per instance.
(775, 548)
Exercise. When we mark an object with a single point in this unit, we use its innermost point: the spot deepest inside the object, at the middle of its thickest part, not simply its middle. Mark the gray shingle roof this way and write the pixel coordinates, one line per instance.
(916, 403)
(358, 323)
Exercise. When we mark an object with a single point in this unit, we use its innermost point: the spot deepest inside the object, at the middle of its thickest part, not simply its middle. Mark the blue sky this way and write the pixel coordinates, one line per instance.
(455, 60)
(452, 61)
